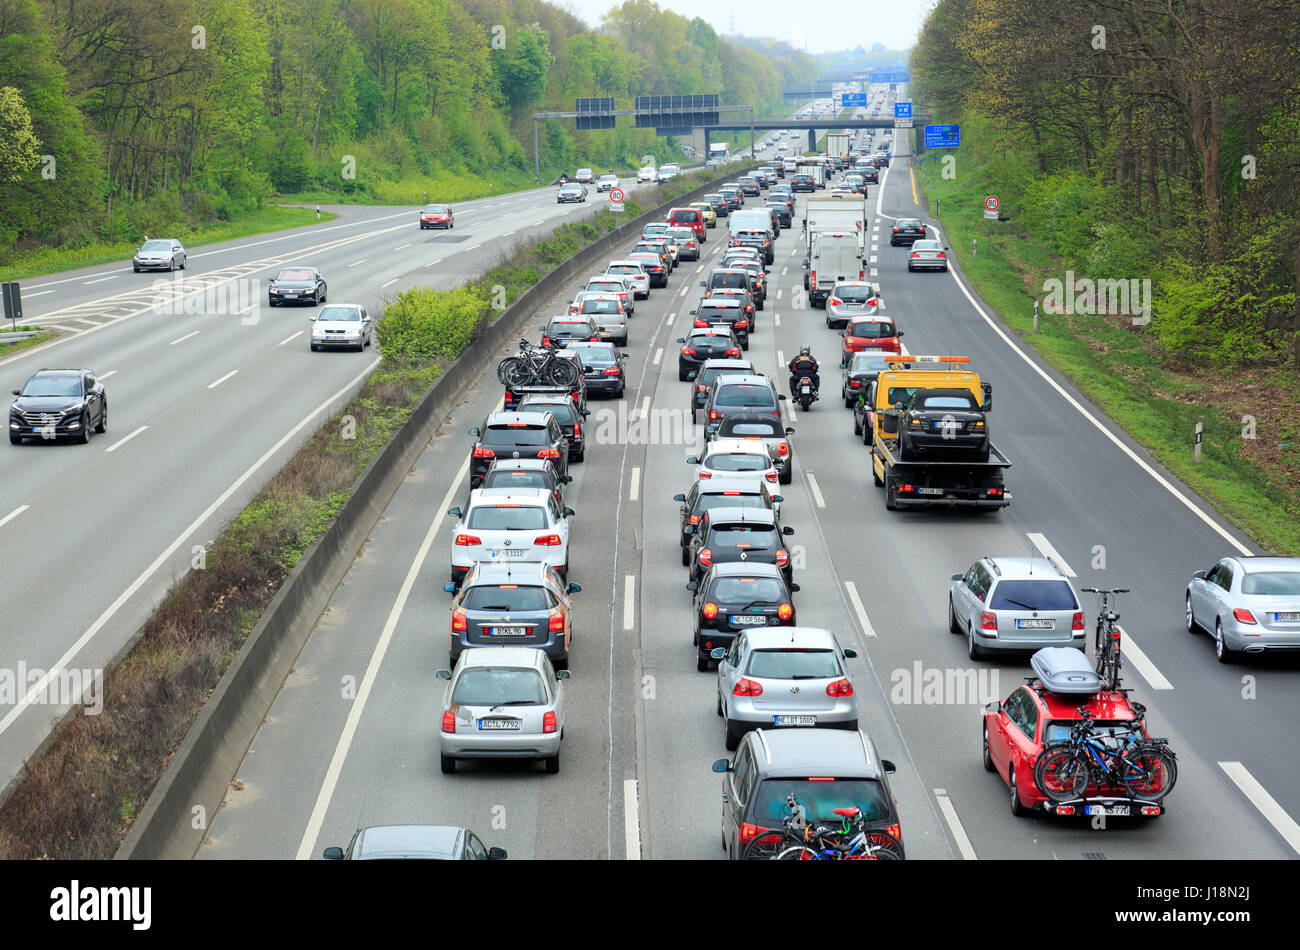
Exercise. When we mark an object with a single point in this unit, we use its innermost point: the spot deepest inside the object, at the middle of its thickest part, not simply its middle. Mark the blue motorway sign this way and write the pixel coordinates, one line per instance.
(902, 110)
(942, 136)
(888, 75)
(853, 99)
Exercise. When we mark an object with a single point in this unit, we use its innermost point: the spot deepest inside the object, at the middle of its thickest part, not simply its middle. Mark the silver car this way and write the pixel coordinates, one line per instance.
(606, 310)
(341, 325)
(634, 273)
(1249, 604)
(784, 676)
(853, 298)
(927, 255)
(688, 246)
(502, 703)
(159, 254)
(1014, 603)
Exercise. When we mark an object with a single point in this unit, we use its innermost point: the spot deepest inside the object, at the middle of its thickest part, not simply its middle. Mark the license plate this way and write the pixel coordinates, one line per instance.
(290, 296)
(929, 491)
(1117, 810)
(1036, 624)
(604, 333)
(508, 552)
(498, 725)
(508, 631)
(1289, 616)
(740, 620)
(794, 720)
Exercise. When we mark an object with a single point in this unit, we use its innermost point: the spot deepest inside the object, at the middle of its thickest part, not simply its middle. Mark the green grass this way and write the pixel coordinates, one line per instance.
(1120, 368)
(41, 337)
(445, 187)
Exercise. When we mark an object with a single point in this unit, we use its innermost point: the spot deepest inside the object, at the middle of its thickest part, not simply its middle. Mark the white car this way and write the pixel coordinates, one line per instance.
(341, 325)
(606, 183)
(647, 173)
(620, 284)
(670, 170)
(510, 524)
(730, 457)
(634, 274)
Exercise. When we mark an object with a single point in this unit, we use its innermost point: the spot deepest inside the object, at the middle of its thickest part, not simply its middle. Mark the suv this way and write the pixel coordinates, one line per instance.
(803, 182)
(737, 278)
(508, 524)
(562, 330)
(710, 370)
(688, 243)
(742, 394)
(1014, 603)
(724, 312)
(535, 435)
(58, 403)
(507, 604)
(824, 769)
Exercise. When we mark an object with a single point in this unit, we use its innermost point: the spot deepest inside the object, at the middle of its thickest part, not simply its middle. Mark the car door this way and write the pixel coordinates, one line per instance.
(94, 404)
(739, 791)
(999, 733)
(1199, 591)
(1220, 604)
(474, 848)
(729, 666)
(1022, 733)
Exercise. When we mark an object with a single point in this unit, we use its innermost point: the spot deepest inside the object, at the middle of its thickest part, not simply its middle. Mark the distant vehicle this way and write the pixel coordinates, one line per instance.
(606, 183)
(437, 216)
(646, 173)
(294, 284)
(583, 175)
(343, 325)
(58, 403)
(927, 255)
(571, 192)
(159, 254)
(404, 842)
(668, 171)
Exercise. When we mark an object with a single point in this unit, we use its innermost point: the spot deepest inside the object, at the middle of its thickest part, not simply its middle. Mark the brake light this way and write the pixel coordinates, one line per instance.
(613, 371)
(556, 622)
(1242, 615)
(706, 557)
(547, 540)
(577, 430)
(995, 492)
(546, 341)
(742, 324)
(690, 350)
(458, 622)
(896, 830)
(842, 687)
(1077, 623)
(785, 611)
(770, 476)
(859, 275)
(940, 254)
(855, 384)
(700, 323)
(988, 620)
(468, 540)
(482, 453)
(746, 687)
(916, 253)
(813, 278)
(731, 352)
(836, 301)
(695, 519)
(548, 721)
(710, 610)
(713, 415)
(749, 832)
(895, 230)
(782, 558)
(448, 721)
(548, 454)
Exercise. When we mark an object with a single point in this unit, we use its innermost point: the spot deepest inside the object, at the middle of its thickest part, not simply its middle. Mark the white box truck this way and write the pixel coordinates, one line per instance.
(837, 211)
(837, 145)
(835, 257)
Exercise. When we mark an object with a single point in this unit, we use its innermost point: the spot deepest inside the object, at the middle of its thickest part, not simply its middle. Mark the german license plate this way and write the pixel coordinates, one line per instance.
(508, 631)
(1036, 624)
(1288, 616)
(741, 619)
(929, 491)
(508, 552)
(290, 296)
(498, 725)
(794, 720)
(1117, 810)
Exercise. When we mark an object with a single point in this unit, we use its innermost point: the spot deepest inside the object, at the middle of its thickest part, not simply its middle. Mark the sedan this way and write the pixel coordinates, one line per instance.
(437, 216)
(58, 403)
(928, 255)
(602, 366)
(788, 677)
(344, 325)
(728, 313)
(407, 842)
(704, 344)
(583, 175)
(606, 183)
(297, 284)
(858, 375)
(502, 703)
(737, 596)
(571, 192)
(1249, 604)
(159, 254)
(707, 212)
(782, 211)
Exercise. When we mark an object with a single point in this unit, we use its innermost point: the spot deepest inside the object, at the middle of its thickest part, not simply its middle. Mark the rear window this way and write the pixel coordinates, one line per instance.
(745, 395)
(1272, 583)
(793, 664)
(867, 364)
(873, 331)
(946, 402)
(820, 798)
(1033, 595)
(729, 280)
(493, 518)
(507, 597)
(742, 429)
(751, 235)
(515, 480)
(1059, 730)
(601, 306)
(557, 328)
(748, 537)
(853, 294)
(709, 502)
(563, 411)
(624, 269)
(498, 687)
(719, 314)
(687, 217)
(737, 462)
(517, 435)
(743, 590)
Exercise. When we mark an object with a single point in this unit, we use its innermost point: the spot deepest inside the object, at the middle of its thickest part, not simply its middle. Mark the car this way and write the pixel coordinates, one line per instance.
(437, 216)
(709, 370)
(159, 254)
(342, 326)
(734, 456)
(602, 367)
(668, 171)
(759, 427)
(741, 256)
(725, 491)
(718, 202)
(860, 372)
(511, 524)
(297, 284)
(948, 424)
(869, 333)
(606, 183)
(634, 273)
(688, 245)
(760, 240)
(734, 197)
(583, 176)
(617, 284)
(606, 310)
(803, 182)
(742, 394)
(657, 247)
(871, 174)
(577, 390)
(784, 677)
(691, 218)
(928, 255)
(520, 474)
(507, 604)
(516, 435)
(655, 229)
(737, 278)
(746, 298)
(1014, 603)
(502, 703)
(726, 312)
(749, 185)
(407, 842)
(571, 192)
(703, 344)
(645, 173)
(58, 403)
(1015, 731)
(1248, 604)
(564, 330)
(781, 211)
(905, 231)
(737, 595)
(566, 414)
(852, 298)
(652, 263)
(707, 212)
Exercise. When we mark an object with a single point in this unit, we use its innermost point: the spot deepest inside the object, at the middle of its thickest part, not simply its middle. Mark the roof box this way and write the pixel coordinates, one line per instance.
(1066, 671)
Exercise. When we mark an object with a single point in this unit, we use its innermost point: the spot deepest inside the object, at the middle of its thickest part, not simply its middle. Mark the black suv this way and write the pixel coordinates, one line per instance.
(739, 278)
(803, 183)
(517, 435)
(726, 312)
(58, 404)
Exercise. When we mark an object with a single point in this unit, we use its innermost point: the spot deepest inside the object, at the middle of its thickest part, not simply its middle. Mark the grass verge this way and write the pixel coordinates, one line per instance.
(40, 337)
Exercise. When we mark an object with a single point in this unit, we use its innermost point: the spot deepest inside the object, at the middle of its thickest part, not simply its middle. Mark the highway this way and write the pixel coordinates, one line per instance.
(351, 740)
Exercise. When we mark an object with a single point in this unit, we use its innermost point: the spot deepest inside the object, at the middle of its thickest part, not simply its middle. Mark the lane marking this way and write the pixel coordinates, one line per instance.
(222, 379)
(362, 261)
(472, 247)
(431, 263)
(816, 490)
(780, 358)
(100, 280)
(13, 514)
(645, 408)
(852, 590)
(390, 283)
(784, 271)
(293, 337)
(400, 247)
(912, 175)
(508, 233)
(1130, 651)
(658, 355)
(89, 323)
(38, 294)
(122, 441)
(634, 484)
(631, 821)
(954, 825)
(629, 605)
(778, 293)
(184, 338)
(111, 372)
(1283, 823)
(776, 319)
(1045, 546)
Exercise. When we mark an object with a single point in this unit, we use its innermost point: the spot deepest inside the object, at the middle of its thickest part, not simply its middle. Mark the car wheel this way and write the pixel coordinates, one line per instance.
(1222, 652)
(681, 377)
(721, 714)
(448, 764)
(553, 764)
(786, 477)
(103, 419)
(182, 263)
(134, 268)
(702, 662)
(1017, 809)
(973, 649)
(733, 738)
(84, 437)
(315, 300)
(953, 626)
(857, 423)
(875, 478)
(15, 439)
(988, 759)
(1191, 617)
(313, 347)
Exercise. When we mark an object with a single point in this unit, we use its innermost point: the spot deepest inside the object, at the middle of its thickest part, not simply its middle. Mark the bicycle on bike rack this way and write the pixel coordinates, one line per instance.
(1106, 651)
(1144, 769)
(537, 366)
(799, 841)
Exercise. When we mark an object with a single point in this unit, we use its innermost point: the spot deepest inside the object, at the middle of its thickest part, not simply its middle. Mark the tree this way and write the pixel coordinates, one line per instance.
(18, 144)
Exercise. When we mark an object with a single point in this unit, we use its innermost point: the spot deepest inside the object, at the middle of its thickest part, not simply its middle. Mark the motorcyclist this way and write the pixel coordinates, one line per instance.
(804, 365)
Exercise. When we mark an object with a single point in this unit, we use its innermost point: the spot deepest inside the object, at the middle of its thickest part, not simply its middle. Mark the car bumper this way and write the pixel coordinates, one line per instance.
(58, 430)
(152, 265)
(496, 745)
(339, 342)
(297, 296)
(1048, 638)
(927, 265)
(1254, 638)
(605, 384)
(461, 560)
(552, 647)
(742, 712)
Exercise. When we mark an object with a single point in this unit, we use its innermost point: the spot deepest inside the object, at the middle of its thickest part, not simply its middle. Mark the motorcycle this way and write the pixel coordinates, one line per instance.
(805, 393)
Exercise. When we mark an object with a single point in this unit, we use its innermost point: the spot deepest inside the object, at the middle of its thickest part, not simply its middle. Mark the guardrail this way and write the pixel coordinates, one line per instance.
(19, 336)
(209, 757)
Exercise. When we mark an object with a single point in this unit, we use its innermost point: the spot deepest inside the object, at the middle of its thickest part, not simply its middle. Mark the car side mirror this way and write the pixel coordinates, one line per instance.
(680, 339)
(721, 765)
(789, 430)
(898, 333)
(692, 585)
(443, 674)
(956, 577)
(584, 412)
(449, 588)
(569, 512)
(780, 396)
(994, 707)
(562, 674)
(702, 284)
(692, 314)
(475, 431)
(312, 318)
(456, 512)
(680, 497)
(787, 531)
(574, 588)
(1199, 575)
(332, 854)
(496, 854)
(778, 498)
(15, 392)
(850, 653)
(888, 766)
(692, 460)
(987, 389)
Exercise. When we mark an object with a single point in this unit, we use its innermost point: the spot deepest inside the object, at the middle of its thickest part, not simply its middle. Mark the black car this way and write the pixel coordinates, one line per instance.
(871, 174)
(740, 491)
(906, 232)
(742, 535)
(736, 278)
(803, 183)
(735, 596)
(784, 214)
(718, 203)
(705, 343)
(525, 474)
(735, 200)
(602, 367)
(517, 435)
(562, 331)
(857, 376)
(654, 266)
(297, 285)
(724, 312)
(747, 300)
(947, 423)
(758, 240)
(567, 415)
(711, 370)
(58, 404)
(656, 245)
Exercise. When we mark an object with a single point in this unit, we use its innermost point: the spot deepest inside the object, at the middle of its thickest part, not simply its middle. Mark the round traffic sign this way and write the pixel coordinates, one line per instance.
(616, 195)
(991, 202)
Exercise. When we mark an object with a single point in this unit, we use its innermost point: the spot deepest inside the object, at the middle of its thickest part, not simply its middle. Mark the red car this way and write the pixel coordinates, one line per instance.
(437, 216)
(869, 333)
(688, 218)
(1016, 730)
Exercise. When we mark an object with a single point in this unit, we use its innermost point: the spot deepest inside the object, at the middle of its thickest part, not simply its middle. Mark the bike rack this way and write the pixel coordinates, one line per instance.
(1138, 807)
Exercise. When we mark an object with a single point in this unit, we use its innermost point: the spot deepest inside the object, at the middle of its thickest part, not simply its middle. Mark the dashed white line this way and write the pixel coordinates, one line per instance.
(816, 490)
(362, 261)
(291, 337)
(780, 358)
(631, 821)
(1132, 654)
(125, 439)
(872, 259)
(508, 233)
(1040, 541)
(400, 247)
(100, 280)
(1283, 823)
(634, 484)
(13, 514)
(658, 355)
(954, 825)
(852, 590)
(629, 604)
(776, 319)
(436, 261)
(784, 271)
(778, 293)
(472, 247)
(645, 408)
(222, 379)
(390, 283)
(111, 372)
(184, 338)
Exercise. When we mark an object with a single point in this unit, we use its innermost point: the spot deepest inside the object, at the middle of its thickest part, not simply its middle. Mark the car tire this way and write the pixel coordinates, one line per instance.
(891, 497)
(973, 649)
(745, 346)
(786, 477)
(183, 262)
(1017, 807)
(448, 764)
(1190, 618)
(103, 418)
(135, 269)
(875, 479)
(681, 377)
(313, 347)
(987, 757)
(953, 626)
(1222, 652)
(701, 663)
(732, 741)
(562, 663)
(686, 557)
(857, 423)
(552, 764)
(15, 439)
(721, 714)
(84, 436)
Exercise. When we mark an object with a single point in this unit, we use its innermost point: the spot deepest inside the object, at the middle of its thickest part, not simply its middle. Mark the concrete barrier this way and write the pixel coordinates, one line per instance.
(175, 819)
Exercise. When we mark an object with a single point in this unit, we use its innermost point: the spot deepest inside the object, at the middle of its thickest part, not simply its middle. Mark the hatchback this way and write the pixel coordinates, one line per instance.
(735, 596)
(742, 535)
(729, 491)
(853, 298)
(512, 605)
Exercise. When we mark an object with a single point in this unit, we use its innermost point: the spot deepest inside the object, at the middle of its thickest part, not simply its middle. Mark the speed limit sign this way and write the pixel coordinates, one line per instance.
(616, 199)
(991, 203)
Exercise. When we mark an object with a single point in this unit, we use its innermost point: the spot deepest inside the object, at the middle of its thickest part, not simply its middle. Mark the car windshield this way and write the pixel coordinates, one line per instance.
(955, 401)
(793, 663)
(492, 686)
(436, 209)
(507, 479)
(745, 590)
(339, 315)
(1272, 583)
(737, 462)
(156, 246)
(295, 273)
(873, 331)
(820, 796)
(517, 434)
(1059, 730)
(1033, 595)
(853, 294)
(507, 597)
(507, 518)
(745, 394)
(53, 386)
(747, 536)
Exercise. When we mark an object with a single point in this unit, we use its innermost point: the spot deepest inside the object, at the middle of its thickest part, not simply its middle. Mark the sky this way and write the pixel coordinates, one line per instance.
(835, 24)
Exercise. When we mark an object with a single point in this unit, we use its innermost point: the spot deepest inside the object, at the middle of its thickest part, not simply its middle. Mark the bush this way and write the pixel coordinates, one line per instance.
(424, 324)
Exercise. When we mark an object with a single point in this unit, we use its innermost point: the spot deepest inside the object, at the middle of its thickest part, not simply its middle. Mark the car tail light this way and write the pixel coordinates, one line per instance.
(695, 519)
(770, 476)
(1077, 622)
(907, 489)
(782, 558)
(988, 620)
(556, 622)
(783, 448)
(896, 830)
(1150, 811)
(855, 384)
(895, 230)
(742, 324)
(713, 415)
(995, 492)
(448, 721)
(785, 611)
(710, 610)
(705, 557)
(1242, 615)
(482, 453)
(547, 540)
(468, 540)
(613, 371)
(835, 301)
(765, 244)
(1064, 809)
(859, 275)
(841, 687)
(748, 832)
(700, 323)
(577, 430)
(690, 350)
(746, 687)
(548, 721)
(731, 352)
(940, 254)
(548, 454)
(813, 278)
(916, 253)
(872, 302)
(706, 474)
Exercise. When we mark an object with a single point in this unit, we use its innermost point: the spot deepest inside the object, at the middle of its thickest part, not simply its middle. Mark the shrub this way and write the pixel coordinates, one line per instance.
(424, 324)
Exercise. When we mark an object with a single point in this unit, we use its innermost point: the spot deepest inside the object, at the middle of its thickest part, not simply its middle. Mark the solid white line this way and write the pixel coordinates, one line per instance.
(122, 598)
(288, 338)
(184, 338)
(1267, 805)
(634, 484)
(816, 490)
(362, 261)
(100, 280)
(629, 603)
(472, 247)
(852, 590)
(1132, 654)
(1045, 546)
(390, 283)
(431, 263)
(111, 372)
(13, 514)
(631, 821)
(125, 439)
(308, 843)
(222, 379)
(954, 825)
(658, 355)
(508, 233)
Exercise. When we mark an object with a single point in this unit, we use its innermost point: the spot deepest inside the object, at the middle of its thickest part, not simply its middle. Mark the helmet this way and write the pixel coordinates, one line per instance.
(805, 351)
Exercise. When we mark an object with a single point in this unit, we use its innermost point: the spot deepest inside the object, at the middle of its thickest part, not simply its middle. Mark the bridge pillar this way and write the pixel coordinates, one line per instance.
(812, 140)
